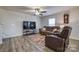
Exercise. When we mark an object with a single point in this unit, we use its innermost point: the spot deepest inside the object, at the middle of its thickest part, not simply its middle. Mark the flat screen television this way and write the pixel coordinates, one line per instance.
(29, 25)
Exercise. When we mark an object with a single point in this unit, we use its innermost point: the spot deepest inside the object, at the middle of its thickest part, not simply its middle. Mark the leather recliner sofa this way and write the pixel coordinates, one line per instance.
(59, 42)
(49, 30)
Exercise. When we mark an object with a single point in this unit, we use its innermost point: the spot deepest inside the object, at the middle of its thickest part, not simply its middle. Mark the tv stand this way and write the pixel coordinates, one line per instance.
(29, 31)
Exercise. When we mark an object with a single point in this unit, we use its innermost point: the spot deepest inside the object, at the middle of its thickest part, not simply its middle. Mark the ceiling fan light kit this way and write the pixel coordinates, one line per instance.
(37, 12)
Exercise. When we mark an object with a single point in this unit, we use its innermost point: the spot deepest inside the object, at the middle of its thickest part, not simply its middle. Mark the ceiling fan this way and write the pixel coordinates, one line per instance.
(37, 11)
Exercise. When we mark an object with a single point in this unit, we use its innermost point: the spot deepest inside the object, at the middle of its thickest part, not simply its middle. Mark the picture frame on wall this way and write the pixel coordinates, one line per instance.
(66, 18)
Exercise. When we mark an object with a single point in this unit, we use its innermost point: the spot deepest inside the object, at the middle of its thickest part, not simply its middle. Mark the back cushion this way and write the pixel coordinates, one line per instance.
(65, 32)
(49, 28)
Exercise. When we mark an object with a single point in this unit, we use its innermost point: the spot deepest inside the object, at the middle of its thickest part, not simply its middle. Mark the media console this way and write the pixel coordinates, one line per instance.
(30, 31)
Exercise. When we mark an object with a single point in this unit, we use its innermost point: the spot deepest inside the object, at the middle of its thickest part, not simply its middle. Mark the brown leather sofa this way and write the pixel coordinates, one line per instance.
(49, 30)
(58, 42)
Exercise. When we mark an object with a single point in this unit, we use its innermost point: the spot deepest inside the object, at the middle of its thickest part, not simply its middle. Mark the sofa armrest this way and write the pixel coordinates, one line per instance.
(54, 36)
(54, 42)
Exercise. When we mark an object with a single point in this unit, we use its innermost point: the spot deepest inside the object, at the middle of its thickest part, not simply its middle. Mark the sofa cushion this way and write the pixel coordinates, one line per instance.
(51, 28)
(43, 29)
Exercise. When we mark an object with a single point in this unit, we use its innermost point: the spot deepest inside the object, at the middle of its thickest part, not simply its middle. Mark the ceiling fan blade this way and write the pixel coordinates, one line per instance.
(43, 11)
(40, 14)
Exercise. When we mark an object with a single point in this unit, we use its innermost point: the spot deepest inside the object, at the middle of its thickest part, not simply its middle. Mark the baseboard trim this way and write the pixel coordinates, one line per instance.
(74, 38)
(12, 36)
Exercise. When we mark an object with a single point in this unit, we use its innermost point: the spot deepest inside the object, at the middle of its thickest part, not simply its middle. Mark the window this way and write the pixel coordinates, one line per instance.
(52, 22)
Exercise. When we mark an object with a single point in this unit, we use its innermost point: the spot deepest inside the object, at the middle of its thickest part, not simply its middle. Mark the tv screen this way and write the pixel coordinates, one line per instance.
(25, 25)
(32, 25)
(29, 25)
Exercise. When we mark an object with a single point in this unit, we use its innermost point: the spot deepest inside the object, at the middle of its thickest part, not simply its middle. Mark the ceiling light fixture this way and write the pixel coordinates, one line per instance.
(37, 11)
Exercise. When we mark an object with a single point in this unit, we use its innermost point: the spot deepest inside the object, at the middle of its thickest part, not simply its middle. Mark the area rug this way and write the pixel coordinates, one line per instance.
(40, 40)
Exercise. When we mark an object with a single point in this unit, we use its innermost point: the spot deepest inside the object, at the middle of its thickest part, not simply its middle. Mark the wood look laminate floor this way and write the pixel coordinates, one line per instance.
(32, 43)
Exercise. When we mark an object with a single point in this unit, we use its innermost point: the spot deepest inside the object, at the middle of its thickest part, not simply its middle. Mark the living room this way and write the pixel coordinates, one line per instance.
(12, 20)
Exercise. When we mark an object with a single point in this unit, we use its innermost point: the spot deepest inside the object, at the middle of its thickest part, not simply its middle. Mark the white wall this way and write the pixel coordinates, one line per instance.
(73, 19)
(74, 22)
(12, 22)
(44, 20)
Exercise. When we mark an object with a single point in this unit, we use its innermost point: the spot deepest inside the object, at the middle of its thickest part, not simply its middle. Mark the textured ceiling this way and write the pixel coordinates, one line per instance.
(26, 9)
